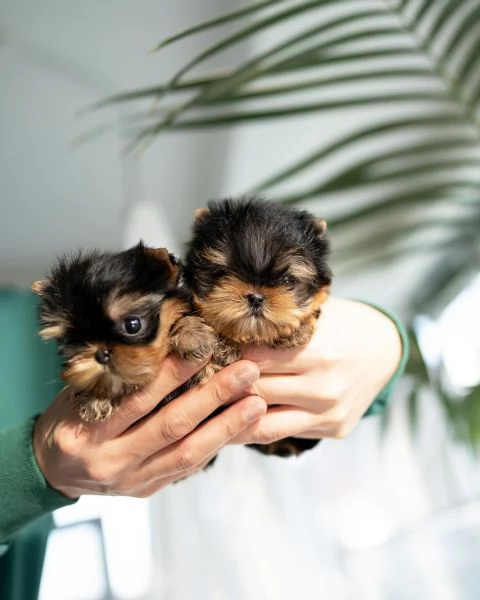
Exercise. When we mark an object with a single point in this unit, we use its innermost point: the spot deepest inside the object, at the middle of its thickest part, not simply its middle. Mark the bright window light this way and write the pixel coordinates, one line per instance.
(125, 523)
(74, 565)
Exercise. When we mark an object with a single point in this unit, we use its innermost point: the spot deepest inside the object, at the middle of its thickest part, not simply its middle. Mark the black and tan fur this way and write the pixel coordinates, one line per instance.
(89, 303)
(258, 274)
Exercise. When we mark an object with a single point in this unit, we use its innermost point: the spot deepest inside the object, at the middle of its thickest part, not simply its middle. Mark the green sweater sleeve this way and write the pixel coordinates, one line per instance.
(383, 398)
(25, 495)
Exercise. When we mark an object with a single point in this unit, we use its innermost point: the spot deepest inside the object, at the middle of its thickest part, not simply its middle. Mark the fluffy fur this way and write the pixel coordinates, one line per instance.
(258, 274)
(115, 317)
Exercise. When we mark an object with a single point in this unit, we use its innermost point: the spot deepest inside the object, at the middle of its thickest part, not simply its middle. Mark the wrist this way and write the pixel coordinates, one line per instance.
(43, 448)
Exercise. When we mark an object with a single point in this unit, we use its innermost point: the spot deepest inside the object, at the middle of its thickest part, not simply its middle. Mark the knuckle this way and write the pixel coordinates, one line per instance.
(333, 391)
(330, 356)
(100, 474)
(339, 415)
(342, 432)
(65, 442)
(142, 494)
(260, 357)
(174, 427)
(231, 430)
(180, 370)
(267, 436)
(122, 489)
(218, 394)
(340, 426)
(187, 459)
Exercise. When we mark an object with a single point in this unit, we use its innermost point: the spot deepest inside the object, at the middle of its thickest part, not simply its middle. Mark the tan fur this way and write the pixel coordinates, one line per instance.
(216, 257)
(322, 226)
(320, 297)
(82, 371)
(163, 255)
(227, 310)
(95, 409)
(39, 286)
(192, 339)
(301, 269)
(120, 305)
(200, 213)
(225, 352)
(55, 330)
(303, 334)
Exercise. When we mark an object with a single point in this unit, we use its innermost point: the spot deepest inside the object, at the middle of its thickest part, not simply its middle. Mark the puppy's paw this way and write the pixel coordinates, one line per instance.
(300, 337)
(94, 410)
(193, 340)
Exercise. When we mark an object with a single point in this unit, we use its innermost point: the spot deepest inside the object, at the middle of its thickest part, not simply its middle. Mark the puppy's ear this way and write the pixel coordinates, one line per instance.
(320, 227)
(39, 286)
(200, 213)
(161, 254)
(166, 258)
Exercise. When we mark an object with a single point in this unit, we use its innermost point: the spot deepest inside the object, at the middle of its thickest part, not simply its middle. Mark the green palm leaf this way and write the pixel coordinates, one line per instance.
(222, 20)
(417, 166)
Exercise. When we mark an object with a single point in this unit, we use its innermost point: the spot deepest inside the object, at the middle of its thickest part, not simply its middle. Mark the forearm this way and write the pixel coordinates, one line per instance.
(24, 493)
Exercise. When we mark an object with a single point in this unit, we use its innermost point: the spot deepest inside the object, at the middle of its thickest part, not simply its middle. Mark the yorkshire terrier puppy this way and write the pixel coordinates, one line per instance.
(258, 274)
(115, 317)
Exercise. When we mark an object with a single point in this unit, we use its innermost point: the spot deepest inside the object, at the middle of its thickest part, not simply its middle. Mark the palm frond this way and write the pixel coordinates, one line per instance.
(222, 20)
(240, 36)
(420, 59)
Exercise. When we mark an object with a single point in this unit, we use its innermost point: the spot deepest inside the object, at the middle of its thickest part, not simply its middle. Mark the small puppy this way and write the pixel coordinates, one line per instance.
(258, 274)
(115, 317)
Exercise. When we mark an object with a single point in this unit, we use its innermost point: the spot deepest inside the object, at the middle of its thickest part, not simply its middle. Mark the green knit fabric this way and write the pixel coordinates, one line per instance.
(385, 395)
(29, 382)
(21, 567)
(24, 494)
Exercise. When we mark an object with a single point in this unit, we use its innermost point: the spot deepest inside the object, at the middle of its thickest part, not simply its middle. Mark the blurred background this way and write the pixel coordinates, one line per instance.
(364, 112)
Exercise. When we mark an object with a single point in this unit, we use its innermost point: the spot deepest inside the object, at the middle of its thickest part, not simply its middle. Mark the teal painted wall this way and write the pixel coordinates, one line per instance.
(29, 367)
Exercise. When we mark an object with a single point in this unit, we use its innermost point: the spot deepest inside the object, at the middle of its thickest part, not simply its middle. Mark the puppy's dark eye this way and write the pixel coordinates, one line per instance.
(288, 280)
(131, 325)
(220, 272)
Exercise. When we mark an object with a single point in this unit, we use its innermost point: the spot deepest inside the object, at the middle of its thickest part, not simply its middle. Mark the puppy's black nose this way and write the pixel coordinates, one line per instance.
(102, 356)
(255, 300)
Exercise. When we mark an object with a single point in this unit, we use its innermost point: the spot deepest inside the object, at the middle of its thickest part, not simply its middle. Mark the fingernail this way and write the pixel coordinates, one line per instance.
(246, 375)
(253, 410)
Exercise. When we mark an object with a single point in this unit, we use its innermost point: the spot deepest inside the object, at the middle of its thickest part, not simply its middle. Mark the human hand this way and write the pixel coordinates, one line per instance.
(322, 390)
(138, 452)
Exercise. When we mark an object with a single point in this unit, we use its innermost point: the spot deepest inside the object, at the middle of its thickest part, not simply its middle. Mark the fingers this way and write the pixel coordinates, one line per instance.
(284, 421)
(296, 390)
(278, 360)
(181, 416)
(172, 373)
(278, 423)
(196, 450)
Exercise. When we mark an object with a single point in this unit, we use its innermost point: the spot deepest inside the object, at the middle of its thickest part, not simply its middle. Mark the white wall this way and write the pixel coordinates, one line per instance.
(56, 58)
